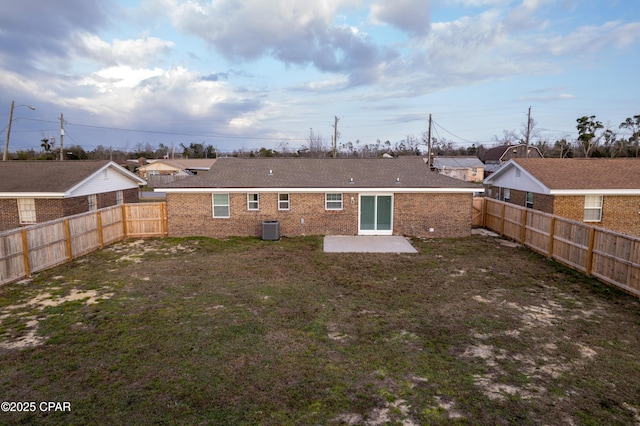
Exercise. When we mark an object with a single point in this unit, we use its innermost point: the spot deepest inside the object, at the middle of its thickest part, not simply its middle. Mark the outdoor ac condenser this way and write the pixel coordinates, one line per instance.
(271, 230)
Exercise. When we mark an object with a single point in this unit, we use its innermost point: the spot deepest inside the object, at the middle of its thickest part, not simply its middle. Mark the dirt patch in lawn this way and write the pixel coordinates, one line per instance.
(243, 331)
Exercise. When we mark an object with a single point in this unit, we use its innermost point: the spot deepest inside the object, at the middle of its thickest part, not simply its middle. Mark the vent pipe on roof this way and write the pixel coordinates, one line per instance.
(350, 180)
(270, 172)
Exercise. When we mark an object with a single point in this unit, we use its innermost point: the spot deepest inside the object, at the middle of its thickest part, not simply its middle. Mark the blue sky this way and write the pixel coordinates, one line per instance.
(252, 73)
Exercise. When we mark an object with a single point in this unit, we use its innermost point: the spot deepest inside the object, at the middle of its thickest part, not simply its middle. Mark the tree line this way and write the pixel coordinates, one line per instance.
(594, 140)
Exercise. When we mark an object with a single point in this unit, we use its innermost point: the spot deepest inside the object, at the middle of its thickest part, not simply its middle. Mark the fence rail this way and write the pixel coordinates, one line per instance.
(35, 248)
(607, 255)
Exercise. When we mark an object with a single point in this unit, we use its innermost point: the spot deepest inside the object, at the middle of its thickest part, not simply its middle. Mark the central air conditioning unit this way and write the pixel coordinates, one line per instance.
(270, 230)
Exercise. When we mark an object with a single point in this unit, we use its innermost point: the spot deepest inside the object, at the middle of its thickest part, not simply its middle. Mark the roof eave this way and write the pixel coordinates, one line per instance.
(321, 190)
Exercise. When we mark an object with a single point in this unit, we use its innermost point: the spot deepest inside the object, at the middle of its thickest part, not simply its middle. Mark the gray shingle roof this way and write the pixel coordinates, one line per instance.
(45, 176)
(319, 173)
(456, 162)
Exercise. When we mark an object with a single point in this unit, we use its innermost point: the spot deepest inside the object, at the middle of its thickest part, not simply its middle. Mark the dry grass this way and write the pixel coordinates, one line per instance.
(241, 331)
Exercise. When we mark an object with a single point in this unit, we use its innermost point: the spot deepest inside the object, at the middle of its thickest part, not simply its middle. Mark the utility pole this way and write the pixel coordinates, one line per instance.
(528, 129)
(335, 136)
(61, 136)
(6, 141)
(429, 162)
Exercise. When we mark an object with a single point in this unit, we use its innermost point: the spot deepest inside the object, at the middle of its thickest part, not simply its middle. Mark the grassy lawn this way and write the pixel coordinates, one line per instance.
(246, 332)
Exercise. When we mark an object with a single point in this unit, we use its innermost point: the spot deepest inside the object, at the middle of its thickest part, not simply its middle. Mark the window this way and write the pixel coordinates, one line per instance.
(507, 195)
(27, 210)
(333, 201)
(593, 208)
(221, 205)
(474, 171)
(529, 203)
(253, 202)
(119, 197)
(93, 202)
(283, 202)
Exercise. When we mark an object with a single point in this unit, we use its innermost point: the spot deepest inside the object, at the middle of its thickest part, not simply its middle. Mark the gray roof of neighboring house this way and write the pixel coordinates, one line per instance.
(319, 173)
(48, 176)
(456, 162)
(496, 154)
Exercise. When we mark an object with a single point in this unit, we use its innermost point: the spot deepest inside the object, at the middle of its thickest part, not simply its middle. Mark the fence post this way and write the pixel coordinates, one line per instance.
(552, 229)
(592, 234)
(484, 212)
(523, 235)
(502, 214)
(125, 230)
(25, 253)
(99, 221)
(165, 219)
(67, 238)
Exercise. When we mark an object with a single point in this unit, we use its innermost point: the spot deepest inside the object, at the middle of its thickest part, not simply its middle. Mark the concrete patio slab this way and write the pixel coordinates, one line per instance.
(367, 244)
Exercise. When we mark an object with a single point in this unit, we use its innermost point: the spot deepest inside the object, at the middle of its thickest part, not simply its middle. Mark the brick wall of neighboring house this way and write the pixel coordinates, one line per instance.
(51, 209)
(8, 214)
(619, 213)
(541, 202)
(414, 214)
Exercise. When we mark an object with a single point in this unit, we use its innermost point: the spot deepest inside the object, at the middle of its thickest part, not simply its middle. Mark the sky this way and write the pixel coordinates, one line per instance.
(245, 74)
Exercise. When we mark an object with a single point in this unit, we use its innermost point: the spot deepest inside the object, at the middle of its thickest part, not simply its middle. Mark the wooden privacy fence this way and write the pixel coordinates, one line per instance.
(611, 257)
(35, 248)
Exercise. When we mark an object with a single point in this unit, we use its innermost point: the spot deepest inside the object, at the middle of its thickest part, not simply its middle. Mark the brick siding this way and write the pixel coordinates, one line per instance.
(619, 213)
(414, 214)
(51, 209)
(541, 202)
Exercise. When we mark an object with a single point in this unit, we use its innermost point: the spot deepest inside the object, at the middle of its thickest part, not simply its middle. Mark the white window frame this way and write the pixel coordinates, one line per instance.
(506, 194)
(593, 203)
(333, 204)
(253, 204)
(119, 198)
(92, 200)
(528, 204)
(284, 204)
(27, 211)
(221, 203)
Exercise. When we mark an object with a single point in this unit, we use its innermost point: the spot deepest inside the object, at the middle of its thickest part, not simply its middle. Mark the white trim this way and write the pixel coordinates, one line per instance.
(117, 168)
(252, 201)
(32, 195)
(375, 231)
(595, 192)
(213, 207)
(326, 201)
(288, 201)
(319, 190)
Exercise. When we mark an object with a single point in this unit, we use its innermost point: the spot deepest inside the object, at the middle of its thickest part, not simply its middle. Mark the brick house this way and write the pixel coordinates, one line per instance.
(604, 192)
(320, 197)
(468, 169)
(39, 191)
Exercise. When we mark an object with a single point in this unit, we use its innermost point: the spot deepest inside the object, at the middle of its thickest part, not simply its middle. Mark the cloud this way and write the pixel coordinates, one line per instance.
(132, 52)
(33, 30)
(410, 16)
(293, 32)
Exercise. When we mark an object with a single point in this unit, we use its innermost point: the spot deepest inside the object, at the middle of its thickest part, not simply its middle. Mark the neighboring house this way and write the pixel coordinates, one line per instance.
(175, 167)
(497, 156)
(38, 191)
(324, 196)
(468, 169)
(601, 191)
